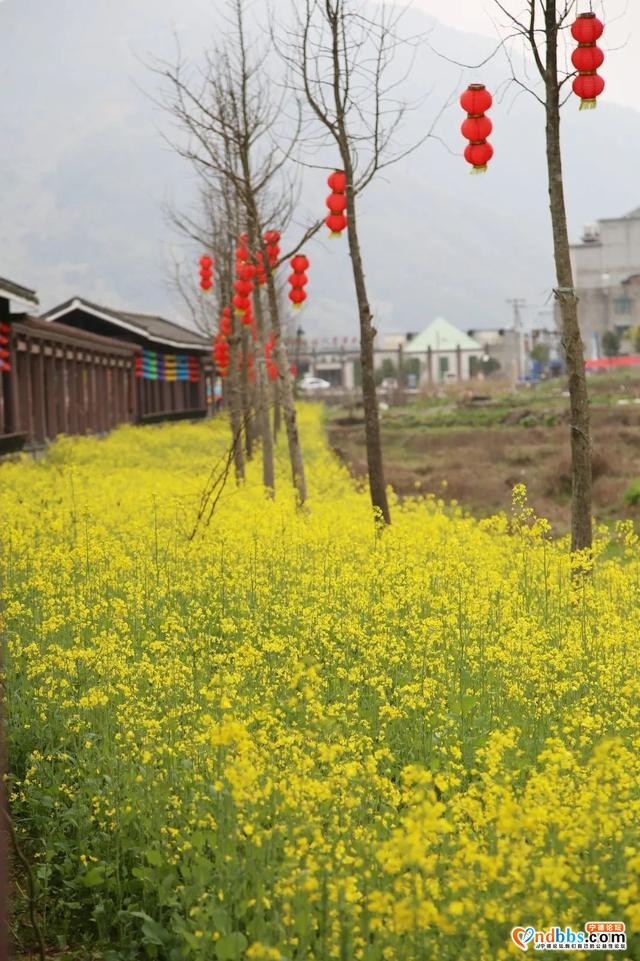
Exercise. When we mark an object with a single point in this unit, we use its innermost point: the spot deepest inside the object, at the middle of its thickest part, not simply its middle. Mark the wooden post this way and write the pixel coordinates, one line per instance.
(40, 418)
(72, 390)
(430, 366)
(51, 393)
(459, 361)
(10, 389)
(202, 393)
(28, 392)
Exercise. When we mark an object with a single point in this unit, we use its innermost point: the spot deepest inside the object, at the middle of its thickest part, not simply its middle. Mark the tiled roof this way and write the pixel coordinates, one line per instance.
(156, 329)
(441, 335)
(9, 289)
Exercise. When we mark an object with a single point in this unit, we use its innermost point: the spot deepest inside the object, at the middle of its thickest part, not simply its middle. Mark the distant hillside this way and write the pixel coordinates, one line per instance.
(85, 172)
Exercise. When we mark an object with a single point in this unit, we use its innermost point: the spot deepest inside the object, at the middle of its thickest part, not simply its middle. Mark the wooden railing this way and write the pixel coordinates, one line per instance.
(65, 381)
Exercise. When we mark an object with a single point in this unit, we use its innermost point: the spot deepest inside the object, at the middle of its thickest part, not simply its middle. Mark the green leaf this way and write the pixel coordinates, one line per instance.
(154, 857)
(152, 932)
(220, 920)
(94, 877)
(231, 946)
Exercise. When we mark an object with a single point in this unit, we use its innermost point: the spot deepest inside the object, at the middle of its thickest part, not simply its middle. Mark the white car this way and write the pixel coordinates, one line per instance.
(314, 383)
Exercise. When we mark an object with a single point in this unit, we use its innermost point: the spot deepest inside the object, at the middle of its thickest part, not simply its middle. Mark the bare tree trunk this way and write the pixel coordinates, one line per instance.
(367, 336)
(276, 410)
(235, 403)
(286, 386)
(581, 523)
(262, 384)
(245, 393)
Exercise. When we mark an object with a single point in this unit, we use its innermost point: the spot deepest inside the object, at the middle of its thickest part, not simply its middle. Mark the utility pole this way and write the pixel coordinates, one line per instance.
(518, 304)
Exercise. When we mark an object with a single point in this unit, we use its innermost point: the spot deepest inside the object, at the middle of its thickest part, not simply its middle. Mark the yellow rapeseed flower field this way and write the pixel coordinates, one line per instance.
(292, 737)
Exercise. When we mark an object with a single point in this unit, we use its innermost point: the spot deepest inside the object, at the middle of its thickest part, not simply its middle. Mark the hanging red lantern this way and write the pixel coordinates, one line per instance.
(245, 271)
(298, 280)
(337, 182)
(476, 128)
(242, 250)
(241, 303)
(221, 356)
(225, 325)
(478, 155)
(476, 100)
(5, 331)
(243, 287)
(587, 58)
(587, 29)
(297, 296)
(588, 86)
(337, 203)
(272, 247)
(336, 224)
(206, 272)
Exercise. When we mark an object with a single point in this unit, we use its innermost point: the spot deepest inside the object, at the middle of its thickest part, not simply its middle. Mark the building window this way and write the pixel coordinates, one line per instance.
(622, 305)
(444, 367)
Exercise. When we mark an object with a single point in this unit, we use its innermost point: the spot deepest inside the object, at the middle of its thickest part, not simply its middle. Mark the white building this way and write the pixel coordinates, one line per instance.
(606, 266)
(445, 352)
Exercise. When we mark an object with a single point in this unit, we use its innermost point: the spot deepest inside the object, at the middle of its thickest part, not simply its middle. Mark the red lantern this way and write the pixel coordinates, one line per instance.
(587, 58)
(206, 272)
(336, 224)
(5, 331)
(478, 155)
(476, 128)
(587, 28)
(241, 303)
(476, 100)
(224, 327)
(298, 280)
(337, 203)
(242, 250)
(588, 86)
(261, 274)
(297, 296)
(337, 182)
(243, 287)
(272, 246)
(245, 271)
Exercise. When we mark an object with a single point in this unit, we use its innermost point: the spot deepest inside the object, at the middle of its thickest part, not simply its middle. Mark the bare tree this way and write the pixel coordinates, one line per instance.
(541, 26)
(341, 60)
(228, 109)
(215, 228)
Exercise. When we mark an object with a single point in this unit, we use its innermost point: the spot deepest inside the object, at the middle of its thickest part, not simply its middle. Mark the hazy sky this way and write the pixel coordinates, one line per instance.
(622, 18)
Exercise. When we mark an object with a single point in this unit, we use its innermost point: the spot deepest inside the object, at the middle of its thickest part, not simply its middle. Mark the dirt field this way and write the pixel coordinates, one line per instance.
(474, 452)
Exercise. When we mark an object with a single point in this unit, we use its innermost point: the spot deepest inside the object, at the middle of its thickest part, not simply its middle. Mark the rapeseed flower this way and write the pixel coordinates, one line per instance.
(288, 737)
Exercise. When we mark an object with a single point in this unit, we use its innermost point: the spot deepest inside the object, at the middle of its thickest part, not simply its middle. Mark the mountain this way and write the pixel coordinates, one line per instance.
(86, 172)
